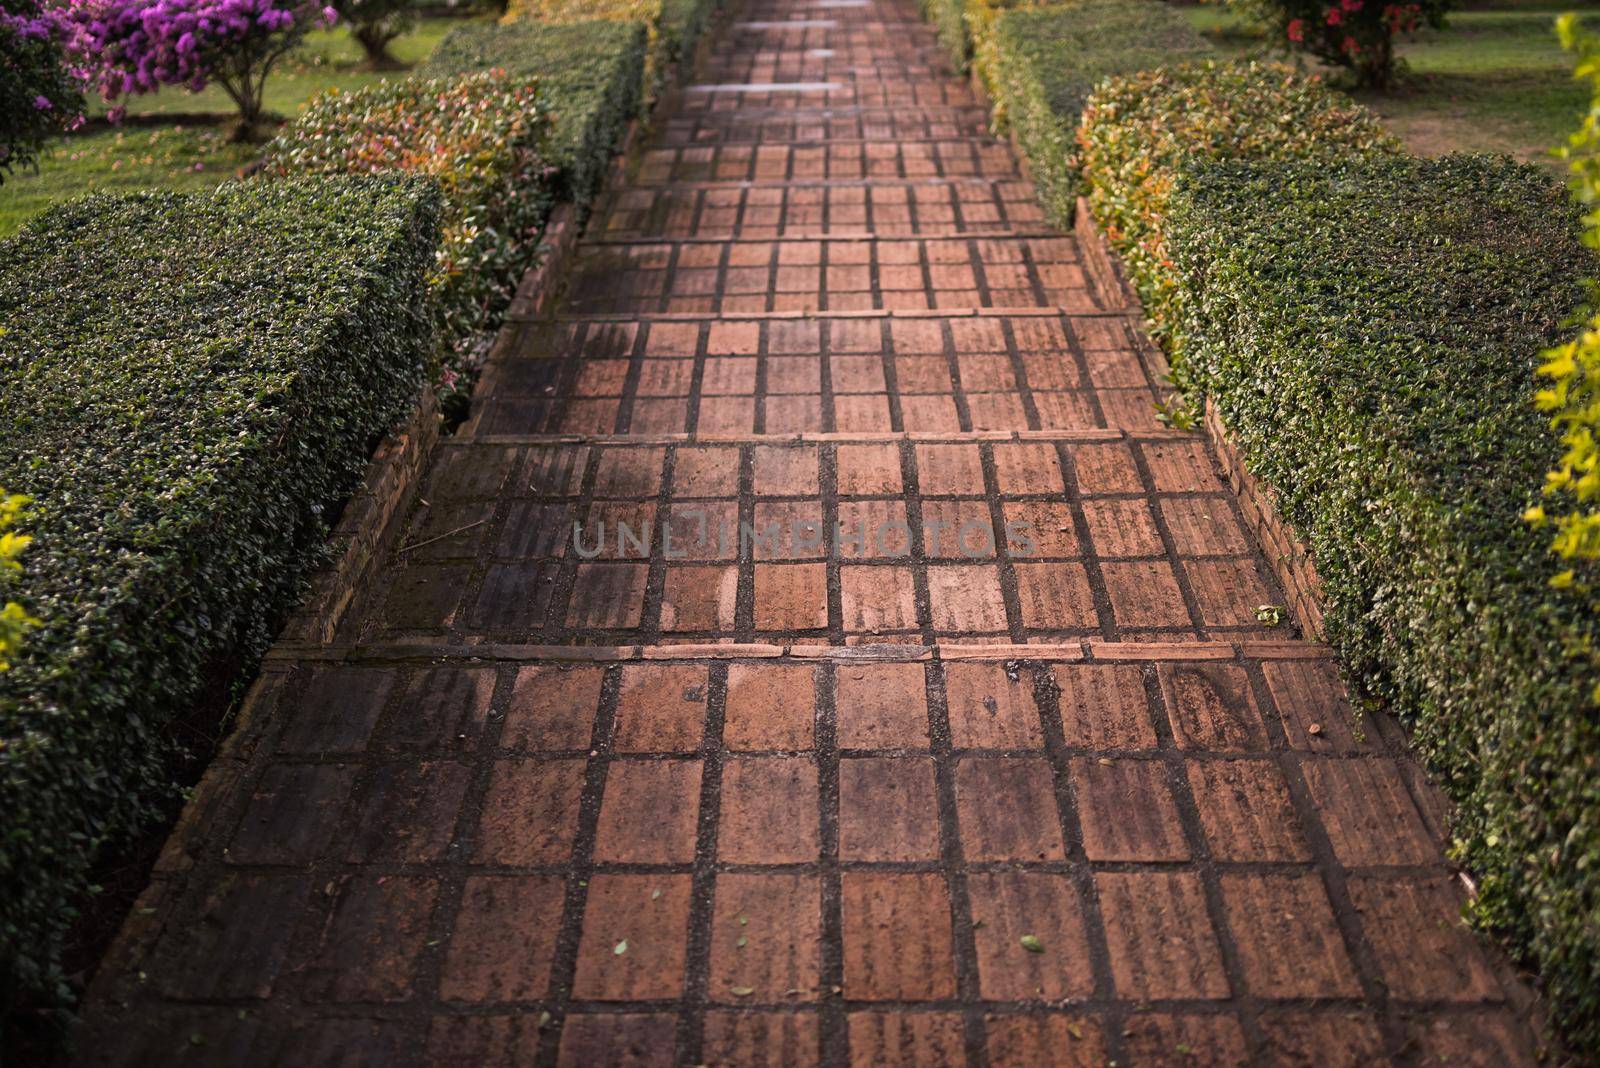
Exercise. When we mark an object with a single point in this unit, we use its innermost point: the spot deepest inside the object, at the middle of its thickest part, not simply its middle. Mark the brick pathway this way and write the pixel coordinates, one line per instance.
(1010, 774)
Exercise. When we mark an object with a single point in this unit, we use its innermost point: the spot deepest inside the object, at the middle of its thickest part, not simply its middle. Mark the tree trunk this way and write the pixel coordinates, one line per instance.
(374, 41)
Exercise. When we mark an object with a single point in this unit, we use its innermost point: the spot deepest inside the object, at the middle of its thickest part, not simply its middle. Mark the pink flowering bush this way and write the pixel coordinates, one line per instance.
(128, 47)
(1357, 35)
(38, 97)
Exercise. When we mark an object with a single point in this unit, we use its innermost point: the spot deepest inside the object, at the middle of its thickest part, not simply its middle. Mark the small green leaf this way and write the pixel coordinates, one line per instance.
(742, 991)
(1031, 944)
(620, 948)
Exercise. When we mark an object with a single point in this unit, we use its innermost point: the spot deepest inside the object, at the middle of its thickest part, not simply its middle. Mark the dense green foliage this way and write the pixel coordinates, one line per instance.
(481, 137)
(675, 26)
(188, 385)
(1138, 131)
(1573, 398)
(1040, 64)
(1369, 332)
(591, 76)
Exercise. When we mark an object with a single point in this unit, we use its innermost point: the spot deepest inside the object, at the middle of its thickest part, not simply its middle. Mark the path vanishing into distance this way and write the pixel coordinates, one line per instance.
(920, 715)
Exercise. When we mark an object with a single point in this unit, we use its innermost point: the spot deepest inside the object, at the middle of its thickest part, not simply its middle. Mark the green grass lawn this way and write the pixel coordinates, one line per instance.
(1493, 80)
(194, 155)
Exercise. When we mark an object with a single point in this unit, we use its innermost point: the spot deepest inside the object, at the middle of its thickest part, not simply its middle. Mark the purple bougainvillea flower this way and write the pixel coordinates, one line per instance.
(42, 103)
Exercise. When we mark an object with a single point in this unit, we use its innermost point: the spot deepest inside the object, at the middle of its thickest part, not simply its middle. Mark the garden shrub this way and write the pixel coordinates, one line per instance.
(37, 95)
(1138, 130)
(189, 385)
(1369, 332)
(481, 138)
(1040, 63)
(675, 26)
(591, 76)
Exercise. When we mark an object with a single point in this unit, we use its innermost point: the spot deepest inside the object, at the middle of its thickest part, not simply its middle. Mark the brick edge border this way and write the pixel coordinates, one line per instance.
(1286, 552)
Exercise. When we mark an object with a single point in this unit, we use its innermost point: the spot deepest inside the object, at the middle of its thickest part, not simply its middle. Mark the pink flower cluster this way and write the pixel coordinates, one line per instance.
(126, 47)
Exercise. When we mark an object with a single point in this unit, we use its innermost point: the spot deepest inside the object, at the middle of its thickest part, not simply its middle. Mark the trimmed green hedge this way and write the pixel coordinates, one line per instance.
(1139, 130)
(1040, 63)
(591, 79)
(1369, 331)
(481, 136)
(189, 384)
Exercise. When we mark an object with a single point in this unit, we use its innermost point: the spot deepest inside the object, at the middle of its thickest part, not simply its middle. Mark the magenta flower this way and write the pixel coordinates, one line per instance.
(42, 103)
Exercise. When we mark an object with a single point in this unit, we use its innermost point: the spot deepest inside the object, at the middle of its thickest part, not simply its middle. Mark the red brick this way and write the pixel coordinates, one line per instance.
(877, 600)
(1027, 467)
(1056, 1039)
(1289, 944)
(1212, 706)
(1040, 529)
(650, 812)
(409, 812)
(791, 597)
(868, 469)
(1307, 693)
(552, 709)
(705, 471)
(501, 1041)
(765, 938)
(1161, 941)
(786, 470)
(1181, 467)
(699, 598)
(661, 708)
(443, 709)
(946, 470)
(504, 938)
(1006, 906)
(292, 815)
(337, 711)
(1120, 527)
(1210, 1039)
(372, 940)
(1203, 526)
(958, 530)
(1368, 813)
(881, 706)
(1424, 950)
(769, 706)
(651, 914)
(1007, 809)
(773, 1039)
(924, 1039)
(629, 472)
(888, 809)
(896, 937)
(1104, 469)
(217, 950)
(1228, 592)
(1145, 594)
(530, 813)
(769, 811)
(1127, 811)
(1104, 706)
(1056, 597)
(1245, 810)
(617, 1040)
(1482, 1038)
(966, 598)
(990, 708)
(1335, 1039)
(608, 596)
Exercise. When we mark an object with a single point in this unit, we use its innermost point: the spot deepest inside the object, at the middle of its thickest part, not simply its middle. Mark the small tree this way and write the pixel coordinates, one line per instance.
(1357, 35)
(129, 47)
(38, 97)
(376, 23)
(1573, 398)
